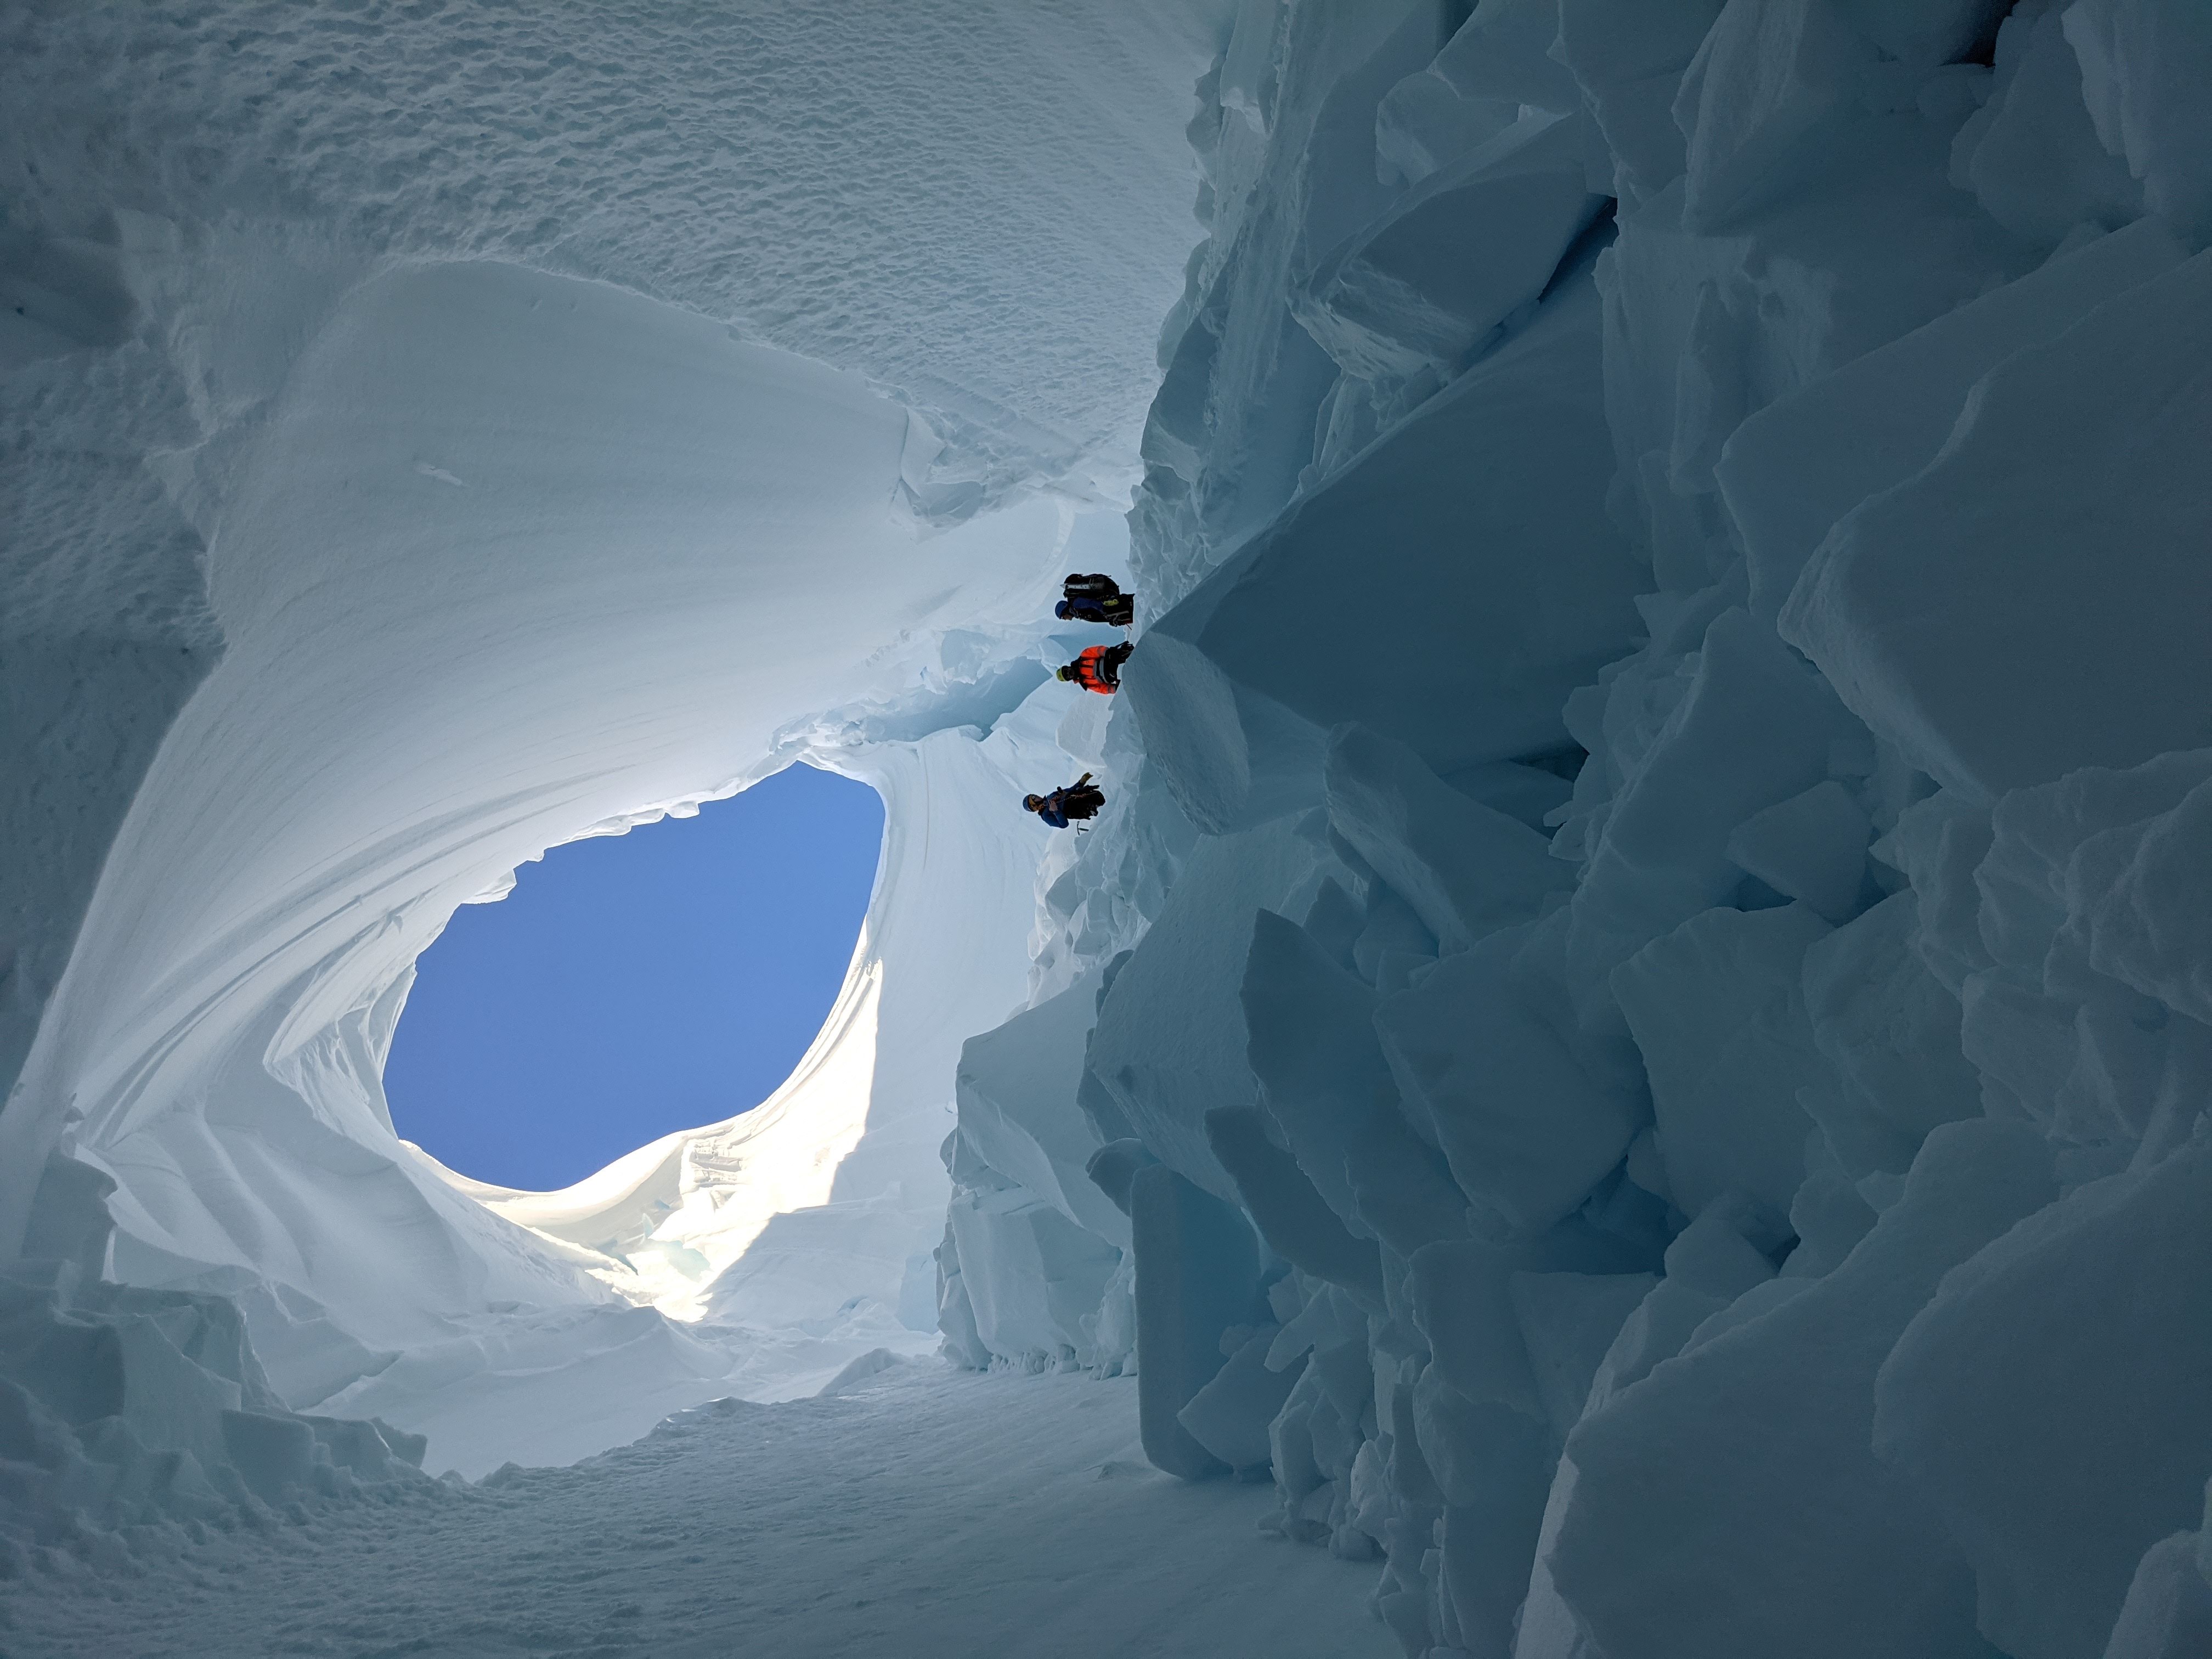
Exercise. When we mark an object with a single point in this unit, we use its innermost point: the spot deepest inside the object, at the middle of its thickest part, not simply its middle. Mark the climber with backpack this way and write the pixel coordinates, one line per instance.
(1079, 799)
(1095, 598)
(1099, 669)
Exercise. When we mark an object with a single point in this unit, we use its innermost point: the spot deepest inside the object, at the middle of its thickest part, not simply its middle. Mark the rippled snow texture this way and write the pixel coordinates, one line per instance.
(982, 205)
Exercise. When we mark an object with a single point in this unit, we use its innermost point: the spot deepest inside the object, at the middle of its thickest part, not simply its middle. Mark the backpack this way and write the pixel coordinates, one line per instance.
(1099, 668)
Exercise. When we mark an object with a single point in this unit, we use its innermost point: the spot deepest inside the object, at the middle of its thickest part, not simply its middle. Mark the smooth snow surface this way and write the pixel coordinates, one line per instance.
(930, 1516)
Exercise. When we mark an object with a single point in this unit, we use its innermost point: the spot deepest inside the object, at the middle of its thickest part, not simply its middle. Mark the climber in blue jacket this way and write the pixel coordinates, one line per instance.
(1079, 799)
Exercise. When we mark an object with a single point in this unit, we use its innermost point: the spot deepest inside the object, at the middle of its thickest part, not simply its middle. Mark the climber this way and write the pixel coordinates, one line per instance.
(1119, 611)
(1099, 669)
(1096, 600)
(1079, 799)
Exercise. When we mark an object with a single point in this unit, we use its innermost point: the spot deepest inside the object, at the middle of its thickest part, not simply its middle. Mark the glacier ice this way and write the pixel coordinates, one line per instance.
(1633, 1036)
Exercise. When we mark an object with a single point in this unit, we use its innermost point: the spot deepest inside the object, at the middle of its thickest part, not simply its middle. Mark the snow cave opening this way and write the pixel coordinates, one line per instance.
(517, 559)
(629, 986)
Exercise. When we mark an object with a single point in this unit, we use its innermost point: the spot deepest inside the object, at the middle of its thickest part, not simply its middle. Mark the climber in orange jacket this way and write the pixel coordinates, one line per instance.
(1099, 669)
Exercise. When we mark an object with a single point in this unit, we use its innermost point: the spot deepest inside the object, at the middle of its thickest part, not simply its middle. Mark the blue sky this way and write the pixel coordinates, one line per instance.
(635, 984)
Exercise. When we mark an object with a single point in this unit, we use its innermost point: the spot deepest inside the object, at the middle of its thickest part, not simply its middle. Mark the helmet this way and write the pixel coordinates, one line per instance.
(1065, 671)
(1030, 803)
(1063, 609)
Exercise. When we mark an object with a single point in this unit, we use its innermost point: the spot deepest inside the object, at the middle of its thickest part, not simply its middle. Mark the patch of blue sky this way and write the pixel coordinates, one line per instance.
(633, 985)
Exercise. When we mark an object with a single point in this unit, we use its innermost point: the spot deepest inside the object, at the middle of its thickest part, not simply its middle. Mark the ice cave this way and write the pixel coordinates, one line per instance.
(1623, 1071)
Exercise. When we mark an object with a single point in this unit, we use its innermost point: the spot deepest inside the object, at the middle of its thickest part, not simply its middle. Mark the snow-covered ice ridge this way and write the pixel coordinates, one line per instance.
(1642, 998)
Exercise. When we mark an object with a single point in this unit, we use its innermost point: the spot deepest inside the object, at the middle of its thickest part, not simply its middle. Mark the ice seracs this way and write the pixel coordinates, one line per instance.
(1663, 1213)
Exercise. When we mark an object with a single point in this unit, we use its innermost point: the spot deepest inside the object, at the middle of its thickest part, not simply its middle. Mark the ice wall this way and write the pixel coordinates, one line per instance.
(1638, 1006)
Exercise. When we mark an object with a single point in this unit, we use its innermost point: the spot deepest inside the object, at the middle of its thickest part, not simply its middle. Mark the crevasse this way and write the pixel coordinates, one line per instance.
(1633, 1034)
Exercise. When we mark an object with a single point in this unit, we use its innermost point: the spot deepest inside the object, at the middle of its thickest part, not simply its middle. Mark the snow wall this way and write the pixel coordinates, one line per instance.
(1639, 1011)
(430, 436)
